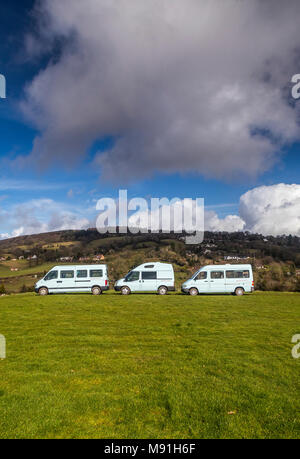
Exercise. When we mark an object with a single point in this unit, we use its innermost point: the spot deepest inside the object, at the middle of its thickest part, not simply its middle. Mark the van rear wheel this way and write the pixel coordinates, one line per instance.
(43, 291)
(96, 291)
(162, 290)
(193, 291)
(239, 291)
(125, 291)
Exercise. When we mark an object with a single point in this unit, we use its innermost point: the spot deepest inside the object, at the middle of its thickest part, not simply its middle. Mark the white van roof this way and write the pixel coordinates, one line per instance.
(79, 267)
(156, 265)
(228, 266)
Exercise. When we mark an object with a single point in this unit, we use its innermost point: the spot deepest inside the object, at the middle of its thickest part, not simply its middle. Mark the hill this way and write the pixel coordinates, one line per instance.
(276, 260)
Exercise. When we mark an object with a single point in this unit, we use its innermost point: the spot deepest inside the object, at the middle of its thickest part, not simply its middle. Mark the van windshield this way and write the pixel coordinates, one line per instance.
(132, 276)
(196, 274)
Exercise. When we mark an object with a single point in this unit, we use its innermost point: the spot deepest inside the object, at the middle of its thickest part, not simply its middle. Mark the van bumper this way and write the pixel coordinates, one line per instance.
(184, 290)
(171, 289)
(117, 288)
(104, 289)
(36, 290)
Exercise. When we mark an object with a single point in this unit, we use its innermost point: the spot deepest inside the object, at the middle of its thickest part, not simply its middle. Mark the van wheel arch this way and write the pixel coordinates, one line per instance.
(193, 291)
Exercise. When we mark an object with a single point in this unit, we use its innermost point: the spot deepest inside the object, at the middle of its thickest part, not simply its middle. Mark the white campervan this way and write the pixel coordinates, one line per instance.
(149, 277)
(74, 279)
(236, 279)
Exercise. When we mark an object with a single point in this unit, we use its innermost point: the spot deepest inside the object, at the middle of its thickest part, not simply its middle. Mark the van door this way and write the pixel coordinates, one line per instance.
(133, 280)
(202, 282)
(217, 281)
(238, 278)
(82, 280)
(148, 281)
(66, 281)
(50, 281)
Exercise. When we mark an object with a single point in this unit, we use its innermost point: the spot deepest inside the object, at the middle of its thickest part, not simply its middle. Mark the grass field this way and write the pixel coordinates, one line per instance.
(147, 366)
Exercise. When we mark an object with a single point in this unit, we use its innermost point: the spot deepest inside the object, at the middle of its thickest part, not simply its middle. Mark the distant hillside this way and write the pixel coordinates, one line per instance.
(276, 260)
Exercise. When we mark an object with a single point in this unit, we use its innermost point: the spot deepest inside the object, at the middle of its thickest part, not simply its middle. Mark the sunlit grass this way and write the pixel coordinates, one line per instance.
(146, 366)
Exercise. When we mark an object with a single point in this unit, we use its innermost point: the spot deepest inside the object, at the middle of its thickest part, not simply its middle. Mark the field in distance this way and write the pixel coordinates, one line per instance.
(147, 366)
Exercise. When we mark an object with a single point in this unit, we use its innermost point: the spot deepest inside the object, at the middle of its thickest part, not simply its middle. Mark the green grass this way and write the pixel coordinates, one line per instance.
(24, 269)
(146, 366)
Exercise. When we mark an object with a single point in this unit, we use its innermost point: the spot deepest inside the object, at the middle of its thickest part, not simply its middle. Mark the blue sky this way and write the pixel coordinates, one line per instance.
(74, 187)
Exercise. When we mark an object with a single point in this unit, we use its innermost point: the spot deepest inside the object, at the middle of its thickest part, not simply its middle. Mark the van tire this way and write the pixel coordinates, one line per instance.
(125, 290)
(193, 291)
(96, 290)
(43, 291)
(162, 290)
(239, 291)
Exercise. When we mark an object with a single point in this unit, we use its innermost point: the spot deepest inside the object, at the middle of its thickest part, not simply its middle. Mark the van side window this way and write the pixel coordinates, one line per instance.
(51, 275)
(96, 273)
(82, 273)
(237, 274)
(201, 276)
(149, 275)
(217, 274)
(67, 274)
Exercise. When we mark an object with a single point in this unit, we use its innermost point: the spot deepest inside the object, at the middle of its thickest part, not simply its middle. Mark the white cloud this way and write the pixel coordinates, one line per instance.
(40, 216)
(181, 85)
(268, 210)
(272, 210)
(231, 223)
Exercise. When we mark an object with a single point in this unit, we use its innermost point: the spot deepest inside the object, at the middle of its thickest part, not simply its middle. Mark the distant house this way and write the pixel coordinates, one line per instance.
(235, 257)
(66, 259)
(99, 257)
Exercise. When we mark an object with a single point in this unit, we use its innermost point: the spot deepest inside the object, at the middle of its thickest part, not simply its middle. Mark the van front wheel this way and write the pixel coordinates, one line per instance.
(96, 291)
(43, 291)
(239, 291)
(125, 291)
(162, 290)
(193, 291)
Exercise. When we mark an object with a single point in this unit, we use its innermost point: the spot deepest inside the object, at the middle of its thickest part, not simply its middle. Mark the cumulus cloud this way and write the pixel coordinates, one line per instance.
(40, 216)
(230, 223)
(272, 210)
(180, 85)
(268, 210)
